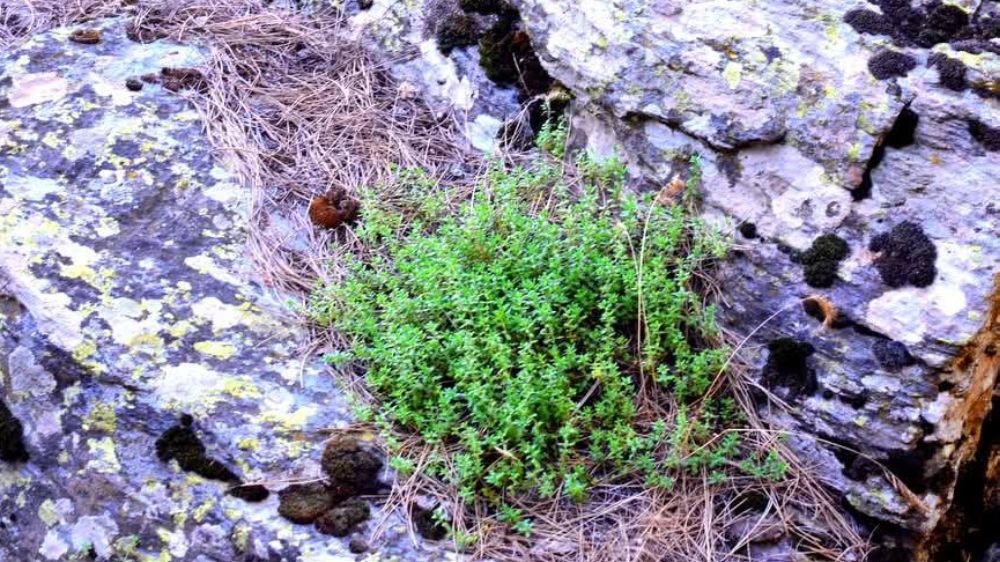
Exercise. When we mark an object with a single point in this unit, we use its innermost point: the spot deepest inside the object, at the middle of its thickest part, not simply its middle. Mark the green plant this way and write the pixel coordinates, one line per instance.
(552, 138)
(514, 337)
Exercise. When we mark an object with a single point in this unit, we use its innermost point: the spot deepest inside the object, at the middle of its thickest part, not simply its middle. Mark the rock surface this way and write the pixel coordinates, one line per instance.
(853, 150)
(147, 368)
(798, 140)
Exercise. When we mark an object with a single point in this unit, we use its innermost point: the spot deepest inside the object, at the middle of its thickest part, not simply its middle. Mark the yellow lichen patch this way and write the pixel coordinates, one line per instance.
(202, 510)
(242, 387)
(733, 74)
(221, 350)
(290, 421)
(207, 266)
(148, 343)
(241, 537)
(249, 444)
(105, 456)
(84, 351)
(180, 329)
(107, 226)
(47, 512)
(52, 140)
(102, 417)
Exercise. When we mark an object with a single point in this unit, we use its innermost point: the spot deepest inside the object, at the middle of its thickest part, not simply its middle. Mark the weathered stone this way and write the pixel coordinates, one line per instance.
(128, 299)
(796, 137)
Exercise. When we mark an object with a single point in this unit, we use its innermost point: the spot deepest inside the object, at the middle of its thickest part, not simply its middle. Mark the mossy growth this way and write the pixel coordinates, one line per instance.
(988, 136)
(351, 466)
(788, 367)
(252, 493)
(887, 64)
(951, 72)
(344, 518)
(182, 444)
(12, 447)
(305, 503)
(457, 29)
(906, 256)
(508, 58)
(869, 21)
(821, 261)
(428, 524)
(892, 355)
(486, 7)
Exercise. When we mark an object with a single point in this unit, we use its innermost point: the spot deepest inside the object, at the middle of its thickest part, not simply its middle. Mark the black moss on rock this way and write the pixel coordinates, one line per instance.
(891, 355)
(887, 64)
(181, 443)
(357, 545)
(427, 525)
(342, 519)
(788, 367)
(951, 72)
(305, 503)
(486, 7)
(821, 260)
(868, 21)
(456, 30)
(988, 136)
(12, 447)
(350, 466)
(251, 493)
(907, 256)
(748, 230)
(948, 20)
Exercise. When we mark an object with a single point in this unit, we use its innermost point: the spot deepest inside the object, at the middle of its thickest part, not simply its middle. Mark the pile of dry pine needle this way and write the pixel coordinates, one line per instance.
(295, 106)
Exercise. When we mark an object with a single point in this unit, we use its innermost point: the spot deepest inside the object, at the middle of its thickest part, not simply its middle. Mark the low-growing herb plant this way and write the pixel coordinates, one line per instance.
(515, 334)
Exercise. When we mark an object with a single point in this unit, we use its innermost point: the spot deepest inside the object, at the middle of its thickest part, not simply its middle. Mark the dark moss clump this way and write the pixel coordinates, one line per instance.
(891, 355)
(427, 525)
(908, 20)
(988, 136)
(305, 503)
(821, 260)
(748, 230)
(907, 256)
(868, 21)
(357, 545)
(788, 367)
(456, 30)
(486, 7)
(252, 493)
(951, 72)
(943, 23)
(887, 64)
(351, 466)
(507, 57)
(181, 443)
(341, 520)
(12, 447)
